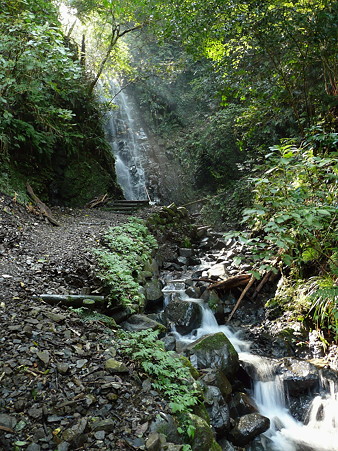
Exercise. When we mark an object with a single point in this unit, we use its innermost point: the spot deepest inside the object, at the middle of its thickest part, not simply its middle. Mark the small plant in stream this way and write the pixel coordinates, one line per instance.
(126, 250)
(168, 373)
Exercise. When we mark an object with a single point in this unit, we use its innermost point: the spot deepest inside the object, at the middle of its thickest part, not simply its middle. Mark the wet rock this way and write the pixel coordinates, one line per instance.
(298, 376)
(186, 316)
(214, 351)
(218, 271)
(247, 428)
(185, 252)
(241, 404)
(225, 445)
(139, 322)
(218, 410)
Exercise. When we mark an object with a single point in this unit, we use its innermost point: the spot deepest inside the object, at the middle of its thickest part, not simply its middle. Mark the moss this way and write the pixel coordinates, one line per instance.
(83, 181)
(187, 364)
(213, 342)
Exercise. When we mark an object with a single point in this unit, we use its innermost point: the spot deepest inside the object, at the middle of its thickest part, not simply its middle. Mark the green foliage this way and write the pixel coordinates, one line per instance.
(47, 117)
(324, 310)
(169, 375)
(87, 314)
(276, 57)
(295, 215)
(126, 250)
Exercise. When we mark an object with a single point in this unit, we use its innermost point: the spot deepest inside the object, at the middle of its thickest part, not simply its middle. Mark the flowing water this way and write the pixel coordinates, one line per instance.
(320, 431)
(127, 140)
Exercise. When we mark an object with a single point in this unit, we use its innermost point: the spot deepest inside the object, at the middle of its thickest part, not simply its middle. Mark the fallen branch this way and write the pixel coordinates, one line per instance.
(73, 300)
(44, 210)
(249, 284)
(231, 282)
(5, 429)
(261, 284)
(97, 201)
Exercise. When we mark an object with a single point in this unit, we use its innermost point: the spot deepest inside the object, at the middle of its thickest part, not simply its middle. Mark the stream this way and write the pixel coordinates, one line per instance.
(319, 432)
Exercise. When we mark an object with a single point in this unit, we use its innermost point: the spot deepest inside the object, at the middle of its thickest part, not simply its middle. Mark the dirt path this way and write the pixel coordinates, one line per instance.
(54, 378)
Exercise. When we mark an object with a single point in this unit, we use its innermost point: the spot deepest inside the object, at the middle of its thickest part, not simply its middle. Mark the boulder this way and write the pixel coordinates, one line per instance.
(247, 428)
(186, 316)
(214, 351)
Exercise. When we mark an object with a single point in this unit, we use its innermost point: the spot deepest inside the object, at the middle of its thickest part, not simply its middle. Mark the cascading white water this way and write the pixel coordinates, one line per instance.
(126, 139)
(320, 433)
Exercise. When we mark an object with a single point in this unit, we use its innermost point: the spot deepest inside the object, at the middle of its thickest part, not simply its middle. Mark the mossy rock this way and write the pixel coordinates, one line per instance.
(84, 180)
(204, 439)
(187, 364)
(215, 351)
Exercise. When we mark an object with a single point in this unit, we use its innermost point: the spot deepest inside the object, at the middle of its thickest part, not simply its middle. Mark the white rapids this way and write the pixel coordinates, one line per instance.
(320, 430)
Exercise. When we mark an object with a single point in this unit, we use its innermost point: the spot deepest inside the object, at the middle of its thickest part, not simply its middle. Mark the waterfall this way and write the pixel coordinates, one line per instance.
(127, 140)
(320, 431)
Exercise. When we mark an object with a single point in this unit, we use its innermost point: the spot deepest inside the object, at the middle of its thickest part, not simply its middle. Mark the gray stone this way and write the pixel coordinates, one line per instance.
(56, 317)
(166, 425)
(7, 421)
(73, 433)
(62, 368)
(247, 428)
(218, 271)
(153, 442)
(215, 376)
(186, 316)
(225, 445)
(185, 252)
(35, 412)
(33, 447)
(298, 376)
(153, 290)
(138, 322)
(44, 356)
(106, 425)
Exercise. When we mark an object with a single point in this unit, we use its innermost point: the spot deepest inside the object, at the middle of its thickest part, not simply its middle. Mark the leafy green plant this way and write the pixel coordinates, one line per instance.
(294, 216)
(126, 250)
(324, 310)
(168, 373)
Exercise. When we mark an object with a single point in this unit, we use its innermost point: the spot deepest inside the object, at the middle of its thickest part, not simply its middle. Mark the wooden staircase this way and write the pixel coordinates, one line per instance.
(126, 207)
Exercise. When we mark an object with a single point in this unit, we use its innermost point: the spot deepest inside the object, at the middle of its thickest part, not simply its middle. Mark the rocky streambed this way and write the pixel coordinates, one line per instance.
(66, 385)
